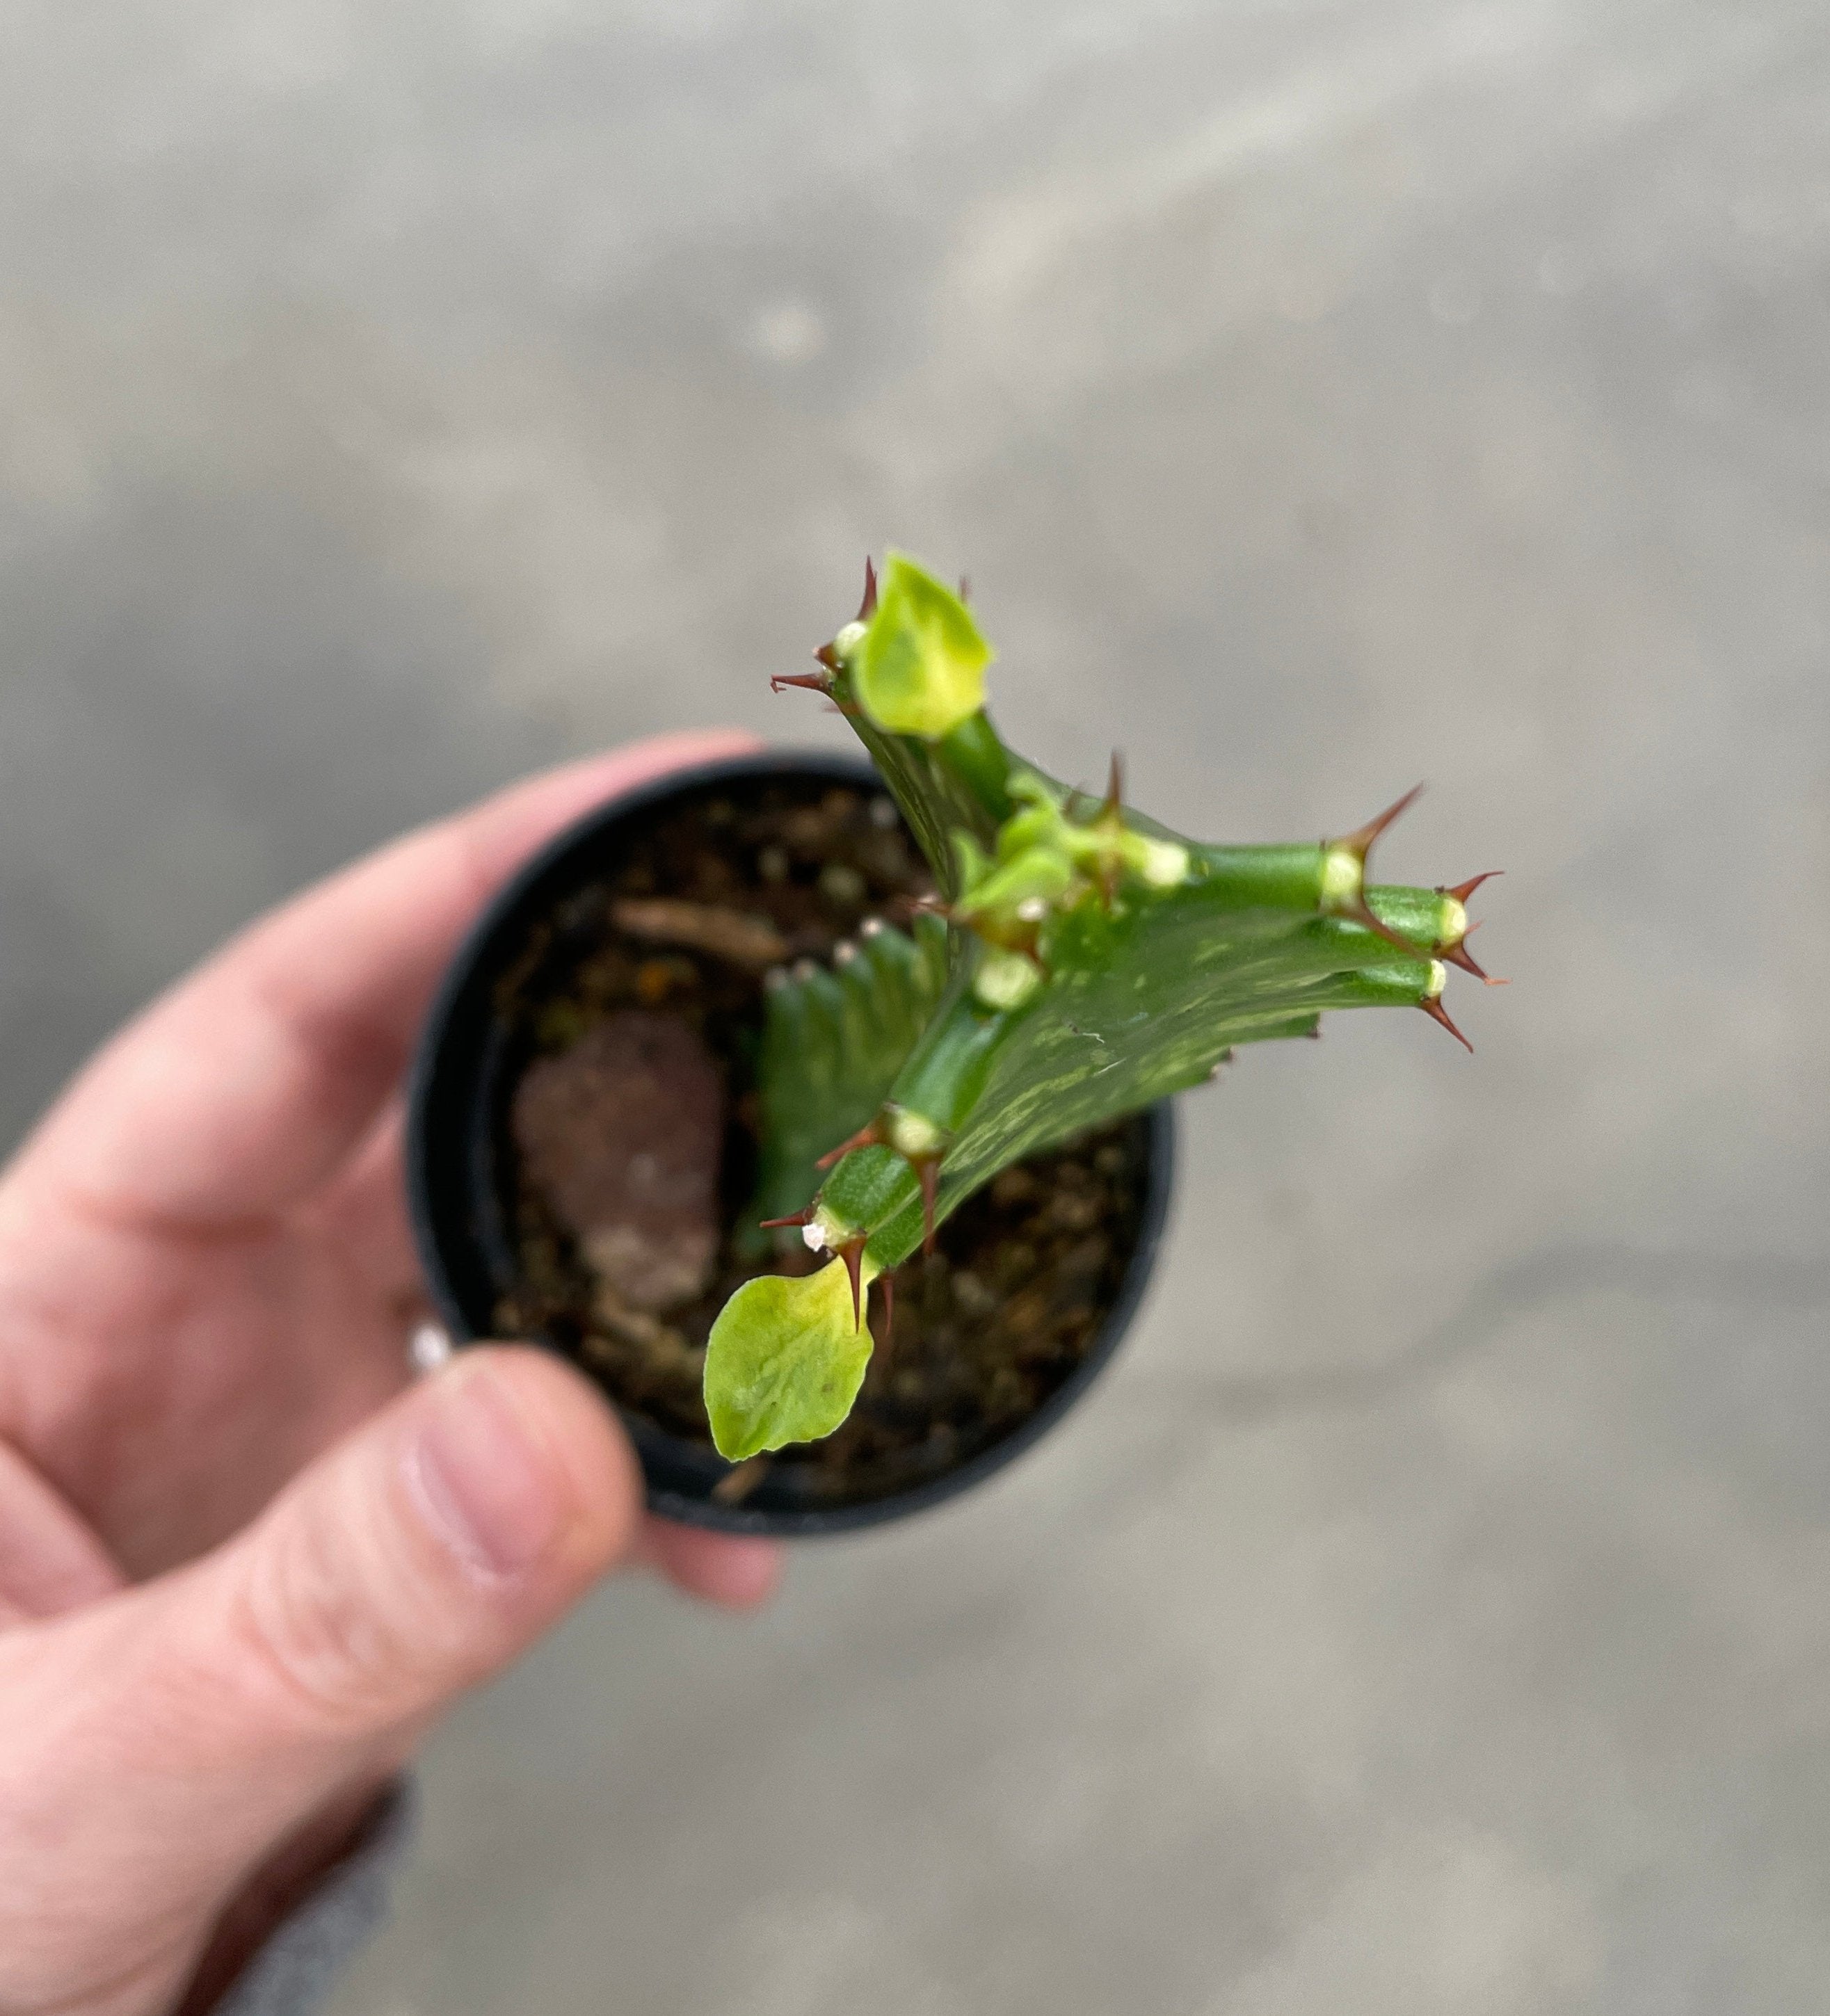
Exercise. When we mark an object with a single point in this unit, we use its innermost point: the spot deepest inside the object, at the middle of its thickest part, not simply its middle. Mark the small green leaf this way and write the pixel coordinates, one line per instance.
(784, 1360)
(919, 667)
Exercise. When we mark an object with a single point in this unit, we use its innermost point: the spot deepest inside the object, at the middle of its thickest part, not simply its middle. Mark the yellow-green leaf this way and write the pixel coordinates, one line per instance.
(920, 666)
(784, 1360)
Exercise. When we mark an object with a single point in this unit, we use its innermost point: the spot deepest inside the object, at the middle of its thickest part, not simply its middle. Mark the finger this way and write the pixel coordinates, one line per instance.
(240, 1089)
(368, 1215)
(49, 1559)
(277, 1888)
(735, 1570)
(182, 1730)
(364, 1213)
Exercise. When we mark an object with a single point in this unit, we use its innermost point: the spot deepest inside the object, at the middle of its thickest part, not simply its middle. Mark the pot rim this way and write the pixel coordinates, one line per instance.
(668, 1461)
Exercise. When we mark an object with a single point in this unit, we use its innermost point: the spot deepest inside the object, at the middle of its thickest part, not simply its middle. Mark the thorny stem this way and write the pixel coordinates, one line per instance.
(1095, 962)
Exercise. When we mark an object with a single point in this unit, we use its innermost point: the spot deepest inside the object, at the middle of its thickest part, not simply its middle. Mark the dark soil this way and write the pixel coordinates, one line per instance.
(719, 888)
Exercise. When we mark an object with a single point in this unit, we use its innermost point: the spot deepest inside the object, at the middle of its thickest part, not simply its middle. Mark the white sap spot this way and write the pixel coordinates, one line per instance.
(429, 1347)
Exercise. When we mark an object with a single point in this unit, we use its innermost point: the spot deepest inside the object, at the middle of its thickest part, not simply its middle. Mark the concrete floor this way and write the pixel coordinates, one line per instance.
(1431, 1613)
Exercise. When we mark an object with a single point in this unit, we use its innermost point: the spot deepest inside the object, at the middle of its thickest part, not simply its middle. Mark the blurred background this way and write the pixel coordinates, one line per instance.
(1431, 1612)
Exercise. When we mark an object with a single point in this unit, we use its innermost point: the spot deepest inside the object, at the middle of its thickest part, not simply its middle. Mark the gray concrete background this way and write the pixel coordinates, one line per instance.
(1432, 1614)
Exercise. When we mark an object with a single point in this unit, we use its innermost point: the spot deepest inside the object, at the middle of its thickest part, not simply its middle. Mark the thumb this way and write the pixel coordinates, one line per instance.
(415, 1559)
(189, 1725)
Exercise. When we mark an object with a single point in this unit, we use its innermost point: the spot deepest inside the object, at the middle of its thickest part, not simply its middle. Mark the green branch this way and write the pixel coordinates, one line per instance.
(1097, 963)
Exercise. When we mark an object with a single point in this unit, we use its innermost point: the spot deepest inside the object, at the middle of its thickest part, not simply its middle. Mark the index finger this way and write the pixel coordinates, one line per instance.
(242, 1088)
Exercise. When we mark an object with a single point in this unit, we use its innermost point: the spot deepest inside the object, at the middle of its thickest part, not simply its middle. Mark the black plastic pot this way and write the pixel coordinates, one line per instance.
(461, 1078)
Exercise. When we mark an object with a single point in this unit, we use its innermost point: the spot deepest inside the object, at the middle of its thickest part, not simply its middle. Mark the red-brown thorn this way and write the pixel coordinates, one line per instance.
(799, 1218)
(869, 1136)
(1459, 955)
(1363, 913)
(827, 655)
(1108, 813)
(965, 587)
(867, 608)
(1360, 841)
(1437, 1013)
(852, 1254)
(888, 1278)
(811, 681)
(927, 1172)
(1462, 891)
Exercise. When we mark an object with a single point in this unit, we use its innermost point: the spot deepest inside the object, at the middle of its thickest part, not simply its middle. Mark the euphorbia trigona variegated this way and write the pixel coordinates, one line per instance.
(1090, 962)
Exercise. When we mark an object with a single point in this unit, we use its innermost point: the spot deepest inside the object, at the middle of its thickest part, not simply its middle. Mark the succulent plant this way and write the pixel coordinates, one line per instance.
(1081, 962)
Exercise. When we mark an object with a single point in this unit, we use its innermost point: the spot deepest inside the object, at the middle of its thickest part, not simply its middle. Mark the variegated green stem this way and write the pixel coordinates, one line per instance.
(1221, 963)
(1095, 962)
(832, 1041)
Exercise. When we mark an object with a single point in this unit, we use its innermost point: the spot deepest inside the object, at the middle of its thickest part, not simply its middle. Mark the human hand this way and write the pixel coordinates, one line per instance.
(240, 1568)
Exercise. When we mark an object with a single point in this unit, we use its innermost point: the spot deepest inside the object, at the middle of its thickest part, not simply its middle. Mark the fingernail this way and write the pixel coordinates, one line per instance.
(486, 1484)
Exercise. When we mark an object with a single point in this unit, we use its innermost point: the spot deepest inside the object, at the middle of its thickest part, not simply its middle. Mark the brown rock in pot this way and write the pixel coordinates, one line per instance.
(622, 1133)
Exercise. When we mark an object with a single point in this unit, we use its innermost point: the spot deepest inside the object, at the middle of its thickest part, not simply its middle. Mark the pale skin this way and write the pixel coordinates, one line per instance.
(245, 1560)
